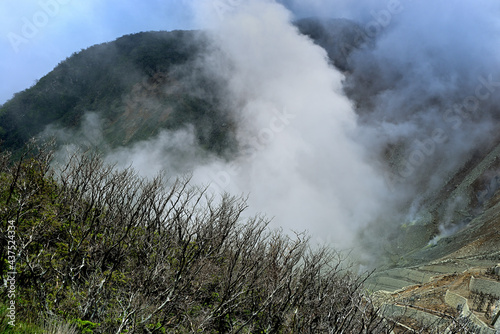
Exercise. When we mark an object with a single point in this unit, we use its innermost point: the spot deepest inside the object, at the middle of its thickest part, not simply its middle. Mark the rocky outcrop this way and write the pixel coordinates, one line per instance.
(441, 295)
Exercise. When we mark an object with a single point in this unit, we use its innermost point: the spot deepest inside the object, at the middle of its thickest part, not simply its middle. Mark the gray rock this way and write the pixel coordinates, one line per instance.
(488, 287)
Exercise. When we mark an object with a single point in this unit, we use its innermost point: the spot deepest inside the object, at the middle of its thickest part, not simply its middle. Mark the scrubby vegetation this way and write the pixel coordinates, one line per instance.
(110, 252)
(100, 250)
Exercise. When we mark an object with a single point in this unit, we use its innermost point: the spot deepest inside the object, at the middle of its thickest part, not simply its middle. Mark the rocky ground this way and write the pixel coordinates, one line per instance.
(435, 280)
(435, 294)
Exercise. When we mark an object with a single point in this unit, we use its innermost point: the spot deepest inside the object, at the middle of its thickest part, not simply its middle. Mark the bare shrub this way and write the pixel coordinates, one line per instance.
(124, 253)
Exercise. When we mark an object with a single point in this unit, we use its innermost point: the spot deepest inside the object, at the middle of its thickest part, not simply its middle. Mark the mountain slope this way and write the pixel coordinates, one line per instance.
(142, 83)
(139, 73)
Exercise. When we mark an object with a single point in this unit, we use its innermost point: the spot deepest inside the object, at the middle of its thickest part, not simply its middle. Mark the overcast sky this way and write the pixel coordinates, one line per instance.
(36, 35)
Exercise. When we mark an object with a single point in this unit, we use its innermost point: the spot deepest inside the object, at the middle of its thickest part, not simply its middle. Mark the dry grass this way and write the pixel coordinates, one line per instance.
(54, 327)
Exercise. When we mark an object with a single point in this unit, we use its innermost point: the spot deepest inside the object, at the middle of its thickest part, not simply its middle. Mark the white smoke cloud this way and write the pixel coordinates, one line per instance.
(429, 86)
(425, 93)
(170, 152)
(301, 162)
(299, 158)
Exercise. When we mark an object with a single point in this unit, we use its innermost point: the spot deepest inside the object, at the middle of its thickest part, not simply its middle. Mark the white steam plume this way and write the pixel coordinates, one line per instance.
(300, 160)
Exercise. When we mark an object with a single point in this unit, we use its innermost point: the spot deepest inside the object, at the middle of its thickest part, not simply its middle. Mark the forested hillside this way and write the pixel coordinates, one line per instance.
(145, 82)
(135, 84)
